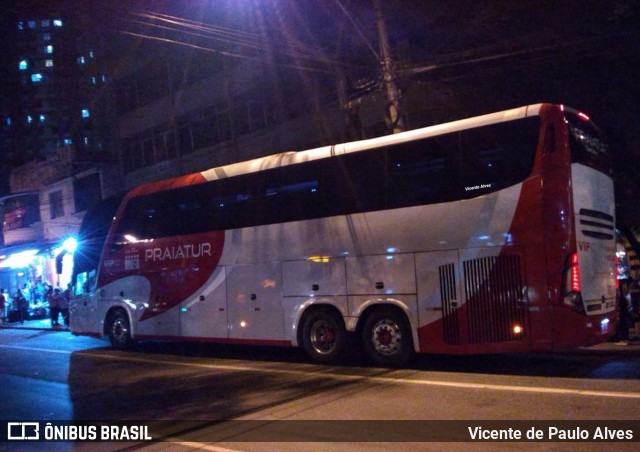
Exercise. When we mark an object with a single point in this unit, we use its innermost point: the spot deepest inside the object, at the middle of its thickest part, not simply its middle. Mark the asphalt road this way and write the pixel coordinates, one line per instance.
(48, 375)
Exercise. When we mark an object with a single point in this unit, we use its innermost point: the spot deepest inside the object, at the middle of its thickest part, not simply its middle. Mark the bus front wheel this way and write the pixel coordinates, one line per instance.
(324, 336)
(119, 330)
(386, 338)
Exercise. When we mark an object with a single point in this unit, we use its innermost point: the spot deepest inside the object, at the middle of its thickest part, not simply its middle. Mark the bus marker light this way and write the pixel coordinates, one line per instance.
(517, 329)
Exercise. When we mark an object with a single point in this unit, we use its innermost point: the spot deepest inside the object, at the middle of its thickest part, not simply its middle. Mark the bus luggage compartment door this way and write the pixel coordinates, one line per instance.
(254, 300)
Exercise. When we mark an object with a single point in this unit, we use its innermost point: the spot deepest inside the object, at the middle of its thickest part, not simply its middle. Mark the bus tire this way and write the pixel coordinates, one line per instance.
(119, 330)
(324, 336)
(386, 337)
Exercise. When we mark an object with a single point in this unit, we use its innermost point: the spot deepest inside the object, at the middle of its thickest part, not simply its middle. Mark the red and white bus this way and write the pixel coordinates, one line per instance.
(488, 234)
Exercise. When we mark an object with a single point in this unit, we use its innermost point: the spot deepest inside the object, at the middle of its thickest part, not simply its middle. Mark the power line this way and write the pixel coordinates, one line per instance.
(230, 37)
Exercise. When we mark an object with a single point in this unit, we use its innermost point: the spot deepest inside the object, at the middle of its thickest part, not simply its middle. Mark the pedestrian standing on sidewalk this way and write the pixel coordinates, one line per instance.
(54, 306)
(624, 315)
(3, 306)
(21, 303)
(634, 300)
(63, 305)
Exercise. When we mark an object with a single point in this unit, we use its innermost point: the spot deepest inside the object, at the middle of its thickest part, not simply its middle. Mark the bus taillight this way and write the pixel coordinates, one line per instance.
(573, 285)
(576, 285)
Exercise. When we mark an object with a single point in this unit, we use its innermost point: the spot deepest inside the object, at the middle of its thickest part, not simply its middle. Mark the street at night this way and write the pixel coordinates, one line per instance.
(62, 377)
(239, 225)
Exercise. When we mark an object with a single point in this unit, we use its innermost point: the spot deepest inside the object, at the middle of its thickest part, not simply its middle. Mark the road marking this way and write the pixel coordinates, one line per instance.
(346, 377)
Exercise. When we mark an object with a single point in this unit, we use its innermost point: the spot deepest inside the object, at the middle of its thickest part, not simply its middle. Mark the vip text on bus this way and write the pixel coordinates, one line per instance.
(484, 235)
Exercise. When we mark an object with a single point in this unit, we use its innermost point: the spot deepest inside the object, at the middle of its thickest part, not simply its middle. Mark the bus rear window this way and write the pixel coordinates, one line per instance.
(587, 145)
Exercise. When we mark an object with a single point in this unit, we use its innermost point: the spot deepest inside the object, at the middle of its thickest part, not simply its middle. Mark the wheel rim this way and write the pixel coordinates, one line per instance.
(386, 337)
(323, 337)
(120, 331)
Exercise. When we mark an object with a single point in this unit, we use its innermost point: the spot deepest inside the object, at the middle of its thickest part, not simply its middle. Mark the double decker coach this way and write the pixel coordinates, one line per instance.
(488, 234)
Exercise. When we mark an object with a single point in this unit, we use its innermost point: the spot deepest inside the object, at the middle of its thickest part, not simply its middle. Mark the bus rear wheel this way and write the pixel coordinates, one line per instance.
(119, 330)
(386, 338)
(324, 336)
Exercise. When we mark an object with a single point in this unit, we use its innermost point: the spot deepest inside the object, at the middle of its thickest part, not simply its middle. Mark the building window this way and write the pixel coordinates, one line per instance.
(29, 119)
(85, 113)
(57, 22)
(23, 65)
(81, 60)
(42, 118)
(48, 49)
(55, 204)
(67, 141)
(36, 78)
(48, 63)
(46, 37)
(32, 24)
(45, 23)
(20, 25)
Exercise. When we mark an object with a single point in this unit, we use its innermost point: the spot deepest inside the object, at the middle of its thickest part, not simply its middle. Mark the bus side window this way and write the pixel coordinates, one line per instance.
(498, 156)
(420, 172)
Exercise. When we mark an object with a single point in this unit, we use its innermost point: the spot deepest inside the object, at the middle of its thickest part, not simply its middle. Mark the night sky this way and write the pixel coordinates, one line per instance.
(475, 56)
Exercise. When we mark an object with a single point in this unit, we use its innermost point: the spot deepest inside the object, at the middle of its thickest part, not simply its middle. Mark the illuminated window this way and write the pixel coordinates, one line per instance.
(85, 113)
(57, 22)
(29, 119)
(45, 23)
(67, 141)
(31, 24)
(36, 78)
(23, 65)
(48, 63)
(20, 25)
(46, 37)
(81, 60)
(42, 118)
(48, 49)
(8, 121)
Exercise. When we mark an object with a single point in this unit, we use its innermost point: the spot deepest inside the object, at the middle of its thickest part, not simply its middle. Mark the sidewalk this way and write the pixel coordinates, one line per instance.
(35, 324)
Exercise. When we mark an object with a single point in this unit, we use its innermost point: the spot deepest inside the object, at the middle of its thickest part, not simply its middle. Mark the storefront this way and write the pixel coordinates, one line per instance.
(31, 268)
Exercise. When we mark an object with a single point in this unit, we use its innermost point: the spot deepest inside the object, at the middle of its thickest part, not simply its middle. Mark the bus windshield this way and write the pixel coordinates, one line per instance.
(587, 144)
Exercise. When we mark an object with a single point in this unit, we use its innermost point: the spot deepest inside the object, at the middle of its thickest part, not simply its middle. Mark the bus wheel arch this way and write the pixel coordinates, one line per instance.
(386, 335)
(322, 333)
(118, 328)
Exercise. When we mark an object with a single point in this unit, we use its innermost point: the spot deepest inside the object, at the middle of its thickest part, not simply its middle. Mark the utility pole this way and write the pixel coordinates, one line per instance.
(394, 113)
